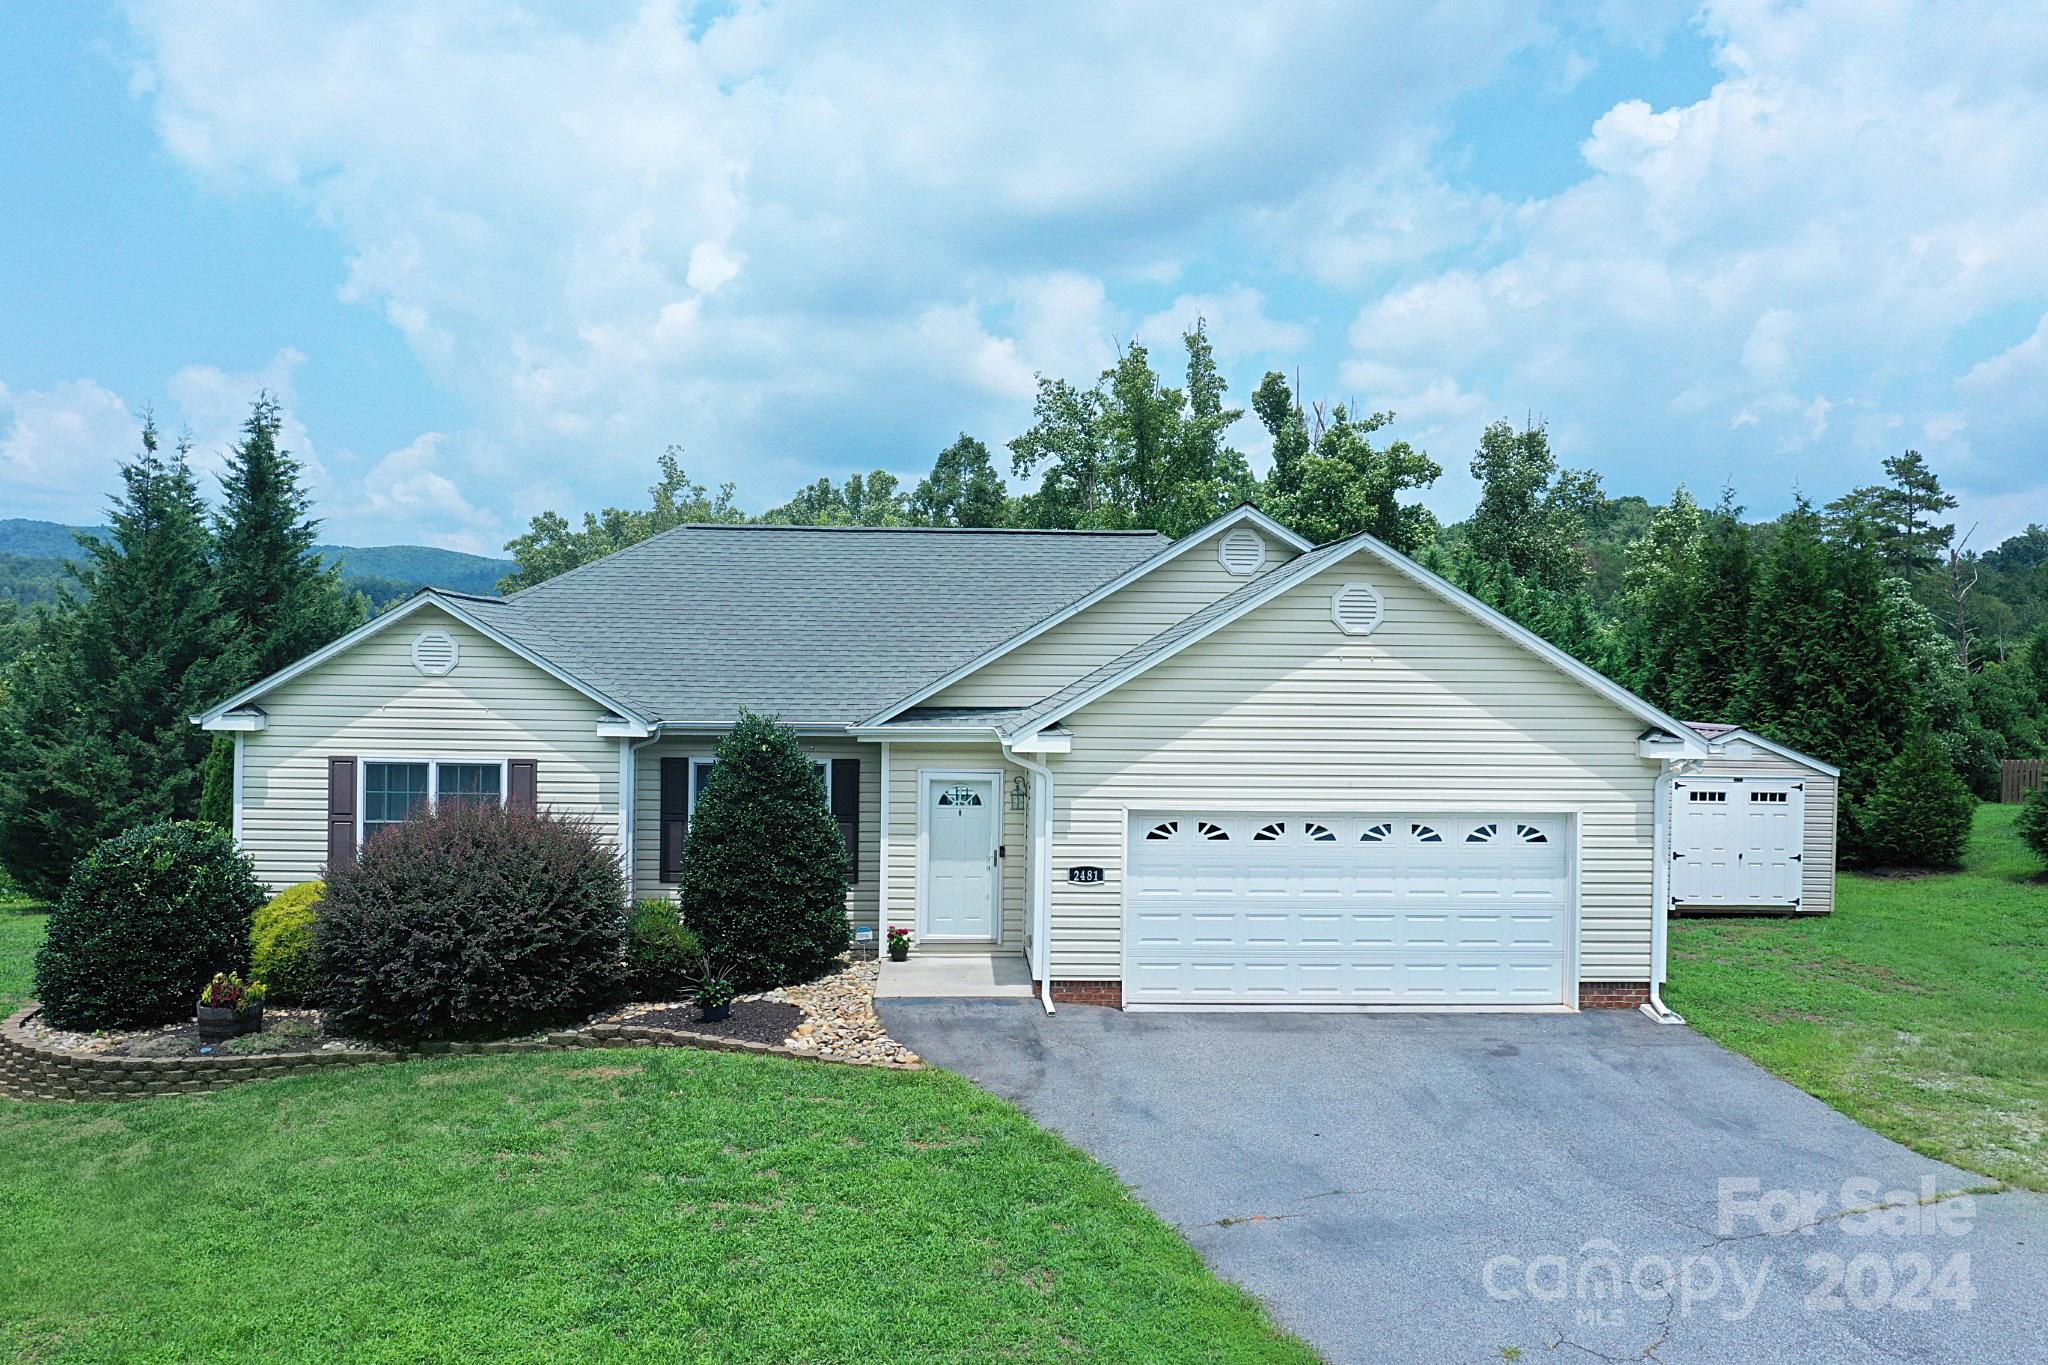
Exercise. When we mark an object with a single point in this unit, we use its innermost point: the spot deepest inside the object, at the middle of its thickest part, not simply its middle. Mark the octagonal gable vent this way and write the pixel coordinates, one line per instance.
(435, 653)
(1242, 552)
(1357, 608)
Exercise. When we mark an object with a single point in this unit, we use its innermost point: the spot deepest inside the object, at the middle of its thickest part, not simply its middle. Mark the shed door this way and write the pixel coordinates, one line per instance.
(1393, 909)
(1737, 842)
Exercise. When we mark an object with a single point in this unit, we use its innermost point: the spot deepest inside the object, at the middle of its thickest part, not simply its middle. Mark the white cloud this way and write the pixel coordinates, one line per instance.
(212, 405)
(408, 498)
(1236, 321)
(59, 447)
(1790, 255)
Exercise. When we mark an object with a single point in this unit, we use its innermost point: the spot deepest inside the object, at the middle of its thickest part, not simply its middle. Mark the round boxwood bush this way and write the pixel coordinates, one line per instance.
(663, 958)
(1918, 812)
(472, 923)
(764, 869)
(281, 944)
(144, 922)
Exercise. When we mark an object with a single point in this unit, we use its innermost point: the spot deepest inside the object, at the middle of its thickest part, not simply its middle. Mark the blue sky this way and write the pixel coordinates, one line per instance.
(496, 257)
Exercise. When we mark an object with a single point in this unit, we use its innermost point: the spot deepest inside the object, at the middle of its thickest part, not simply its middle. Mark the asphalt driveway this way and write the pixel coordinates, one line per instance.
(1456, 1187)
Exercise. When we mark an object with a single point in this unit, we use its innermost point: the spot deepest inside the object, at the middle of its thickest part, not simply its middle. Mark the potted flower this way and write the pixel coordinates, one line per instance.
(899, 944)
(712, 993)
(220, 1008)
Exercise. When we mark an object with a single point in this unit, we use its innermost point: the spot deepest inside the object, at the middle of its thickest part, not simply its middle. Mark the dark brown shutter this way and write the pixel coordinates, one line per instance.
(846, 810)
(341, 813)
(675, 816)
(522, 784)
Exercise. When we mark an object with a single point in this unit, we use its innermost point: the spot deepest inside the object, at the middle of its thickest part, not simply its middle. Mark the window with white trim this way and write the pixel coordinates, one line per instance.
(395, 792)
(1706, 794)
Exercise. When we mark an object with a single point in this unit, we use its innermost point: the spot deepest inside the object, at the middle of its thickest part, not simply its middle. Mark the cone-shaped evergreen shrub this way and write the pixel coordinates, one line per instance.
(477, 922)
(764, 869)
(281, 945)
(1918, 812)
(145, 921)
(2032, 823)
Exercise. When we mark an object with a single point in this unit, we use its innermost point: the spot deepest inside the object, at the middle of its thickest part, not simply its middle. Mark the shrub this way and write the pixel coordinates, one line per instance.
(217, 783)
(475, 922)
(764, 869)
(145, 921)
(661, 954)
(1918, 812)
(281, 944)
(2032, 822)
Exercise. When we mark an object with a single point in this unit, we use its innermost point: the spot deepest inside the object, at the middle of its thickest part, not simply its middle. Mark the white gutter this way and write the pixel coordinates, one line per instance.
(629, 804)
(1660, 898)
(1041, 871)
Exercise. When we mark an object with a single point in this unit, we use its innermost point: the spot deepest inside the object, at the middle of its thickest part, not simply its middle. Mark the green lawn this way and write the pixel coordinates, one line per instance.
(1919, 1008)
(21, 931)
(610, 1205)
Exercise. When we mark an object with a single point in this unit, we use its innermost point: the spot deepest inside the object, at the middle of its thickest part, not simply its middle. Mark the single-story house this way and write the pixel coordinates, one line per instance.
(1233, 769)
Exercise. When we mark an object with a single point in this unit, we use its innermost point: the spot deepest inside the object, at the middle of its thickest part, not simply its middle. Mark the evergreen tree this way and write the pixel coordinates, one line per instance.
(217, 784)
(1339, 483)
(1790, 684)
(1710, 669)
(1902, 516)
(95, 735)
(963, 489)
(1653, 638)
(1918, 812)
(283, 602)
(1531, 518)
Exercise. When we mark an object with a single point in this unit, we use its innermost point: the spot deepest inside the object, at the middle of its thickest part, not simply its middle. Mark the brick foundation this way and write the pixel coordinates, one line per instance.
(1613, 995)
(1110, 993)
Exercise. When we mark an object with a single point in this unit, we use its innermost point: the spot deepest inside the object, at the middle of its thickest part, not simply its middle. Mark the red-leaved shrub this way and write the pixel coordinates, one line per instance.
(473, 923)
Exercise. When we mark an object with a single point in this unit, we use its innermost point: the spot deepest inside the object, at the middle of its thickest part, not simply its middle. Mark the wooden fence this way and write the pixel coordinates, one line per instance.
(2022, 775)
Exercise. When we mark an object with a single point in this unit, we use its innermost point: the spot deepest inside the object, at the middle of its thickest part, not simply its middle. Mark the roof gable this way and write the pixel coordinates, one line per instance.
(1205, 539)
(1263, 590)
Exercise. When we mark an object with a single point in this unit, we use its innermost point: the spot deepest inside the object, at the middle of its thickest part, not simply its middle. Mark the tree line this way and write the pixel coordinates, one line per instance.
(175, 609)
(1865, 632)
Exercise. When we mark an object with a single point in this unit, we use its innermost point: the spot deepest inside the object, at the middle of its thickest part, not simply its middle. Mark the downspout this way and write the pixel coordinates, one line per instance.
(1660, 892)
(629, 805)
(1041, 870)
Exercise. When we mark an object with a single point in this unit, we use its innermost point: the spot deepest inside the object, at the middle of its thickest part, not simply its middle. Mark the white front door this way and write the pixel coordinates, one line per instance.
(1737, 842)
(960, 857)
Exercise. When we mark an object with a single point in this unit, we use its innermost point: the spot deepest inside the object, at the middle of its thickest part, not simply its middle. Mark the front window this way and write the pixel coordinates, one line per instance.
(396, 792)
(467, 784)
(392, 794)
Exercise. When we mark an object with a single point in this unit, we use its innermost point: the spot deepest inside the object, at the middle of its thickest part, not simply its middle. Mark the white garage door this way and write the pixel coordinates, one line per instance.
(1737, 841)
(1391, 909)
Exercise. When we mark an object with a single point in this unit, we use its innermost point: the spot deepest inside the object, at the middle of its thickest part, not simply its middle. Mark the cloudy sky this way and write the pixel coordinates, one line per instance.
(496, 256)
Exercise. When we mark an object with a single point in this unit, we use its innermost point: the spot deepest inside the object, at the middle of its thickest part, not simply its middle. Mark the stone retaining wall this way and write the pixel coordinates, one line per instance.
(31, 1069)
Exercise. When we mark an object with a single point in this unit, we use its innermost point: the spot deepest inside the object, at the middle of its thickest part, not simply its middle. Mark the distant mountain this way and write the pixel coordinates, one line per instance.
(32, 551)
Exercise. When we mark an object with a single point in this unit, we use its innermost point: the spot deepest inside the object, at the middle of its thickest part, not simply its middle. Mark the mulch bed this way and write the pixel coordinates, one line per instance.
(751, 1021)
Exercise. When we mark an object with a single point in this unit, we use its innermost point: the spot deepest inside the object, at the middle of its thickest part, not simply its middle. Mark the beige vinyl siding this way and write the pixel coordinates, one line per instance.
(1817, 857)
(1281, 710)
(371, 703)
(1112, 627)
(860, 896)
(906, 762)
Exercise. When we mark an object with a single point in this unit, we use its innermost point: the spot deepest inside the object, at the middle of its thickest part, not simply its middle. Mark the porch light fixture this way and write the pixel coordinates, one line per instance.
(1020, 795)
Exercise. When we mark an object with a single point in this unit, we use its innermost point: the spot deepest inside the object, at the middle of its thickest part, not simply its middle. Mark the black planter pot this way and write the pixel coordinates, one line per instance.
(250, 1019)
(899, 952)
(712, 1014)
(218, 1024)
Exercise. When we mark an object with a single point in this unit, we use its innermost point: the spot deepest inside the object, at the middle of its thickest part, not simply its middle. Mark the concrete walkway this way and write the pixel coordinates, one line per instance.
(1446, 1187)
(959, 976)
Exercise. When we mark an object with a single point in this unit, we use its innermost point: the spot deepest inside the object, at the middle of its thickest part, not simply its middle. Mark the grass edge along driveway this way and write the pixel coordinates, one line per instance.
(1919, 1008)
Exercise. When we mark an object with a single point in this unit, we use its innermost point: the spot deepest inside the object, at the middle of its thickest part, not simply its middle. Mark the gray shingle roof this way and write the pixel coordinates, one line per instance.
(817, 625)
(1266, 584)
